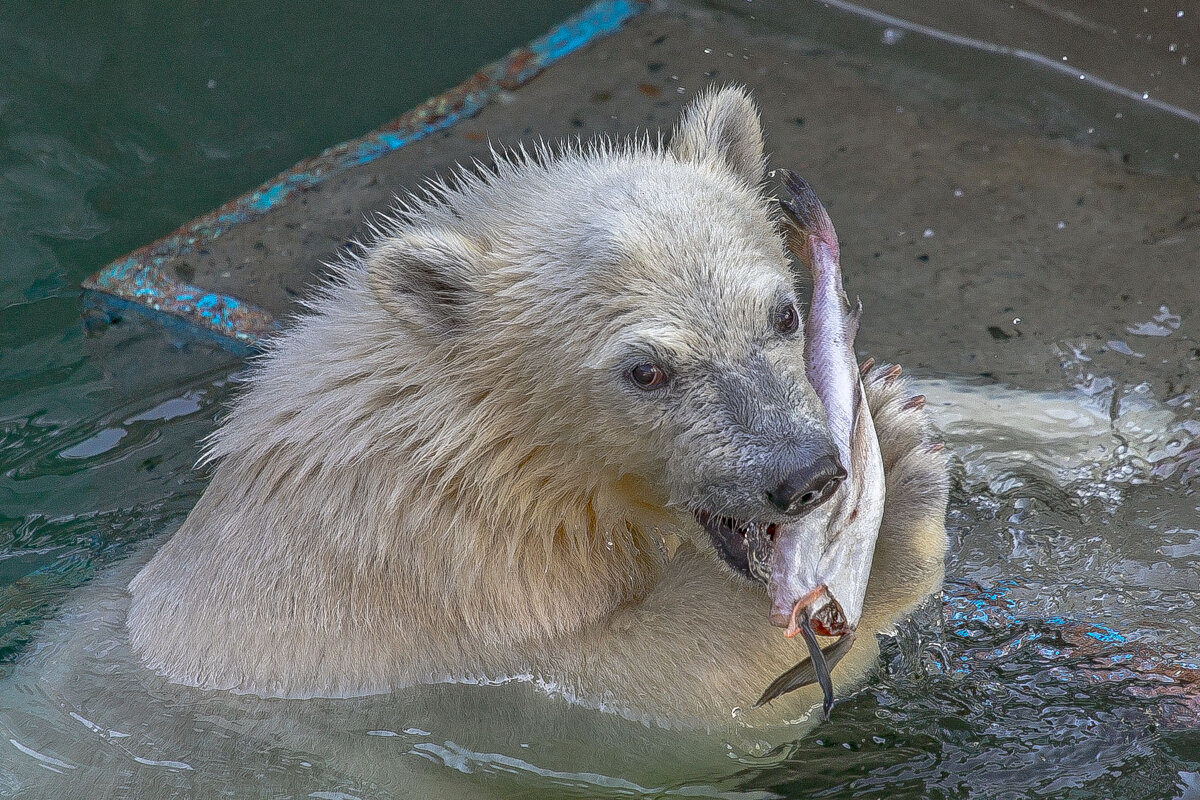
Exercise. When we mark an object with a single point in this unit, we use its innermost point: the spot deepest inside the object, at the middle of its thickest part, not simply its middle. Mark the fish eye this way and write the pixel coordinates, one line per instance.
(787, 318)
(649, 376)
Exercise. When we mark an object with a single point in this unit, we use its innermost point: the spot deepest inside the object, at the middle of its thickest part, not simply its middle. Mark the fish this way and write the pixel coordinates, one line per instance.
(819, 564)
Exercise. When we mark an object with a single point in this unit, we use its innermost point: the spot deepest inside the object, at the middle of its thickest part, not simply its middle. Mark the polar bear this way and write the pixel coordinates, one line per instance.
(485, 450)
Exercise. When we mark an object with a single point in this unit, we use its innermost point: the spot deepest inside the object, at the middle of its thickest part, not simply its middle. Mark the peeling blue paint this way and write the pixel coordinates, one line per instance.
(102, 309)
(266, 199)
(147, 286)
(1105, 634)
(595, 21)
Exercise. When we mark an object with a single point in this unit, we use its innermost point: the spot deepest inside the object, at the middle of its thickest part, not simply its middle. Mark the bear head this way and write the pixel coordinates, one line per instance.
(627, 313)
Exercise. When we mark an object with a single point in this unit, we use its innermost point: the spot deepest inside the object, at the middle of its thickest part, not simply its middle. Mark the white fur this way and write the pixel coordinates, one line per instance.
(440, 472)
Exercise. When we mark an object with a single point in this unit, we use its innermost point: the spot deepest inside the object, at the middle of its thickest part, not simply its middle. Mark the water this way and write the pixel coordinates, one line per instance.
(118, 124)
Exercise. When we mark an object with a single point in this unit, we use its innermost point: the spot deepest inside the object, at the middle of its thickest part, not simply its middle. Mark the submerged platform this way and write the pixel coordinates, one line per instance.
(980, 246)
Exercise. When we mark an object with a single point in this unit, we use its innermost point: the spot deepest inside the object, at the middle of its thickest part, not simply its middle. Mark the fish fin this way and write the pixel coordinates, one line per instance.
(856, 410)
(805, 673)
(852, 320)
(851, 331)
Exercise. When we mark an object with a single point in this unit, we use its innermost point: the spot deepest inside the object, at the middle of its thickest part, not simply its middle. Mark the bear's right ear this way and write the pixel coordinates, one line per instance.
(423, 276)
(722, 124)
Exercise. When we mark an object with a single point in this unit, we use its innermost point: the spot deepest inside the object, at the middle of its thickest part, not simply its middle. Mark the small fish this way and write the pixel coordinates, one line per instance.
(820, 563)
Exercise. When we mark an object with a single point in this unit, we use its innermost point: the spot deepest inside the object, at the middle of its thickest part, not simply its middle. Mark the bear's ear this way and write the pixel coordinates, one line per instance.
(423, 276)
(722, 124)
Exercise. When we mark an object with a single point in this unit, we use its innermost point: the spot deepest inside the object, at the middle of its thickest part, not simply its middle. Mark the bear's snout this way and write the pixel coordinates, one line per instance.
(807, 487)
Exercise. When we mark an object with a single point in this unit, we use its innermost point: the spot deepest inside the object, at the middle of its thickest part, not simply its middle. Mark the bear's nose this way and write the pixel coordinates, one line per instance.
(808, 487)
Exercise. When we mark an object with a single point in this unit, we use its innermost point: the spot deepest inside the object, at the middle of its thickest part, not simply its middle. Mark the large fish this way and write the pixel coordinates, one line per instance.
(819, 565)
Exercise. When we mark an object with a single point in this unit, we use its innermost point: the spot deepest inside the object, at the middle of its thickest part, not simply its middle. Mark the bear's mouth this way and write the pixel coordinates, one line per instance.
(743, 545)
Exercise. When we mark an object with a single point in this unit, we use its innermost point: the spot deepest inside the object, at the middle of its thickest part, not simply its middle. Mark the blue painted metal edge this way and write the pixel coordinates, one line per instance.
(139, 278)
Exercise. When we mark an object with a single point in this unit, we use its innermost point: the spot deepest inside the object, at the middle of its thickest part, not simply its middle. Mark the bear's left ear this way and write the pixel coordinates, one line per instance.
(722, 124)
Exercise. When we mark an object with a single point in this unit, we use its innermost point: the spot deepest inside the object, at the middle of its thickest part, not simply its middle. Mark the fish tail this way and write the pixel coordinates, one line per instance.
(805, 215)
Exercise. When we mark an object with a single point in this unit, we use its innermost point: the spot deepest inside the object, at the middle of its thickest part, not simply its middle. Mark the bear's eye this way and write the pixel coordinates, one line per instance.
(649, 376)
(787, 318)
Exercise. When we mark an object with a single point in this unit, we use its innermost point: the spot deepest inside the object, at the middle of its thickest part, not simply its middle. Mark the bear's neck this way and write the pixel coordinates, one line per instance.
(550, 561)
(533, 557)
